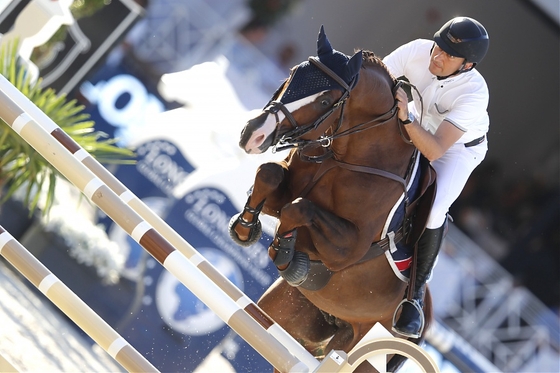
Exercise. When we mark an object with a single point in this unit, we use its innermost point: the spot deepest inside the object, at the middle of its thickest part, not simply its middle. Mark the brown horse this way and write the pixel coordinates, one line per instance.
(348, 166)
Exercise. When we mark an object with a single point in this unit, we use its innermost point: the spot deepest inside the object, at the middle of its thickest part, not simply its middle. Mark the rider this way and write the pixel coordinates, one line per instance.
(448, 126)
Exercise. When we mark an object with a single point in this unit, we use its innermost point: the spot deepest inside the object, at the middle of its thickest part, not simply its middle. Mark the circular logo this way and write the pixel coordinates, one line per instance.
(181, 309)
(132, 269)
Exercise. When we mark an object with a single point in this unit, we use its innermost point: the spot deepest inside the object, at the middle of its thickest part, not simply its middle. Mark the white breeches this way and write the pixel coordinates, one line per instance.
(453, 170)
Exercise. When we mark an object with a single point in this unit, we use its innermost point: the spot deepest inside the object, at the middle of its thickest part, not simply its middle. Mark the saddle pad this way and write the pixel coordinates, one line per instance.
(400, 255)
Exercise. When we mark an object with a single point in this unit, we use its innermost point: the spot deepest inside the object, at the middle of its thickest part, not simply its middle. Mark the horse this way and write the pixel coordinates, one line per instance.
(348, 167)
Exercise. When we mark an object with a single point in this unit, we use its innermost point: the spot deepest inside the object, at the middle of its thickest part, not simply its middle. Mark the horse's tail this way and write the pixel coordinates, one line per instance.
(428, 312)
(397, 361)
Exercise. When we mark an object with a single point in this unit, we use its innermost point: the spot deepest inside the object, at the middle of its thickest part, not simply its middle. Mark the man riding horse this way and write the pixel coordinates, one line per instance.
(448, 126)
(347, 192)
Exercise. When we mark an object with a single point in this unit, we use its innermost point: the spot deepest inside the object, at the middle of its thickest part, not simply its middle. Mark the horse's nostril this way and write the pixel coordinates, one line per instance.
(259, 140)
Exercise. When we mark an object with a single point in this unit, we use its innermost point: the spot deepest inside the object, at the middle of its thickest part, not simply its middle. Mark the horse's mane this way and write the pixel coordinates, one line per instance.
(370, 59)
(373, 63)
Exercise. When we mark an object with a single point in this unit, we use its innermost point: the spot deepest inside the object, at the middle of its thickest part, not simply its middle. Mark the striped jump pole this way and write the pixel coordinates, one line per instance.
(6, 366)
(69, 303)
(135, 218)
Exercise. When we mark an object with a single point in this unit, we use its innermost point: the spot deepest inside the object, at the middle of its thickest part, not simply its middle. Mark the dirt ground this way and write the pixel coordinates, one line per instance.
(36, 337)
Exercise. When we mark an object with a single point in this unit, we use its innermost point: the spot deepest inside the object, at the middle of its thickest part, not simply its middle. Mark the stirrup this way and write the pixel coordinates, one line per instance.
(418, 307)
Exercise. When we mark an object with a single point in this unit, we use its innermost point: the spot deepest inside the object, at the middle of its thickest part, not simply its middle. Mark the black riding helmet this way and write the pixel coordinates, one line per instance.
(463, 37)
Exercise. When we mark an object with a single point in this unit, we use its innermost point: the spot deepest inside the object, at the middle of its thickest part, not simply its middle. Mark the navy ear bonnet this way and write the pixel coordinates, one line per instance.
(308, 79)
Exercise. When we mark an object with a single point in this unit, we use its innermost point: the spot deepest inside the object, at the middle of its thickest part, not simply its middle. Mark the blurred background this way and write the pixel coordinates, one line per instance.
(175, 80)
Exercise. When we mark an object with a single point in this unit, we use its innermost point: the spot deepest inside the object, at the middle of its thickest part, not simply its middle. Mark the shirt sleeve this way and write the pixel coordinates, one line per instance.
(396, 61)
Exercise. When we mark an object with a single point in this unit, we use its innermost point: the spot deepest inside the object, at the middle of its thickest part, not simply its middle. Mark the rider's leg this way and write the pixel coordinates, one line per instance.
(411, 320)
(453, 170)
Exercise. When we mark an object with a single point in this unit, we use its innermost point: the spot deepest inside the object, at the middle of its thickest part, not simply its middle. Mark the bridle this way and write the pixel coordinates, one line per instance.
(292, 138)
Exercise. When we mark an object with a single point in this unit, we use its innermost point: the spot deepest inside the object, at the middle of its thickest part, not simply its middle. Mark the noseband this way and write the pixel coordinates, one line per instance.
(292, 138)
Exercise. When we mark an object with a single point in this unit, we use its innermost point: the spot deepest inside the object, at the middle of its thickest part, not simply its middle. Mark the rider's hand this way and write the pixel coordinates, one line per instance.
(402, 104)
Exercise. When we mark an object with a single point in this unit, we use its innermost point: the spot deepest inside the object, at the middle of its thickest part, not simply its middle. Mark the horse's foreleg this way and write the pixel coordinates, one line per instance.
(245, 227)
(339, 242)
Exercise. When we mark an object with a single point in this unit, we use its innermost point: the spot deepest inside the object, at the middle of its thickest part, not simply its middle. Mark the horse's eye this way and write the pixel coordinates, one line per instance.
(325, 102)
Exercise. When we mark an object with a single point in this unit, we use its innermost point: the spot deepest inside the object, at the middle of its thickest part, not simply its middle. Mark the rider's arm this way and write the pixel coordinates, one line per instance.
(432, 146)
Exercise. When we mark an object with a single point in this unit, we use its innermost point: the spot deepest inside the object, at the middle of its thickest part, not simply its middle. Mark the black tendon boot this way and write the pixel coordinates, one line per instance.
(411, 320)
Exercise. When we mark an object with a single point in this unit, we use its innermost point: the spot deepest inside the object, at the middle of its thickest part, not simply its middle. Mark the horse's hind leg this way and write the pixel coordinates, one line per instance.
(346, 337)
(298, 316)
(245, 228)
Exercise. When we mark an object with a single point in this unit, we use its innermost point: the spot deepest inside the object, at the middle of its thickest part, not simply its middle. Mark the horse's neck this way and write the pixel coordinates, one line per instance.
(379, 146)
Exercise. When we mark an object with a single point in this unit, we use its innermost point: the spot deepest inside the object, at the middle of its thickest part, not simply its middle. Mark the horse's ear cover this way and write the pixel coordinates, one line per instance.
(345, 67)
(307, 79)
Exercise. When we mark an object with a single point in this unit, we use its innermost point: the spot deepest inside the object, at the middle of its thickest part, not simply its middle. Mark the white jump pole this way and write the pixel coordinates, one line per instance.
(69, 303)
(6, 366)
(135, 218)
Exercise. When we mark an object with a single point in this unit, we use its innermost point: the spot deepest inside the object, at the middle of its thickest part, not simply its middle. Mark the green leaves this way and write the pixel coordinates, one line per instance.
(20, 165)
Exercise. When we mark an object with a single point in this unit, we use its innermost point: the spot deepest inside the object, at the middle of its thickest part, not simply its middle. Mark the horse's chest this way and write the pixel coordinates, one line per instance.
(329, 189)
(311, 186)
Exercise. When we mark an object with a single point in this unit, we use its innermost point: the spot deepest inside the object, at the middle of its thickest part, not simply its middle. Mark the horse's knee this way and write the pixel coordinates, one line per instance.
(270, 174)
(299, 212)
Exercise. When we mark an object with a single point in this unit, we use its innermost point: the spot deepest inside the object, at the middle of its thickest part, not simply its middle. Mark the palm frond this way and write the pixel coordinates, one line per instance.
(20, 165)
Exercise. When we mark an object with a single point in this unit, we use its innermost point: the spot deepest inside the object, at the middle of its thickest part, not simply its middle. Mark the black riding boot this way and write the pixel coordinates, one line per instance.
(411, 320)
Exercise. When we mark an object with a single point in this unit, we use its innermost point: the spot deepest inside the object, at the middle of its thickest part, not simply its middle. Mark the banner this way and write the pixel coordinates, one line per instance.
(191, 172)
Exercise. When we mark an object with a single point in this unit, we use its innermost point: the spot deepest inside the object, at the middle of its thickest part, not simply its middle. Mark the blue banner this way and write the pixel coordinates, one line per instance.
(202, 216)
(165, 321)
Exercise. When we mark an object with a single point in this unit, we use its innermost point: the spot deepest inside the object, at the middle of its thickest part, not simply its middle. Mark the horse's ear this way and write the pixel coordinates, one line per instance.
(323, 43)
(338, 62)
(354, 64)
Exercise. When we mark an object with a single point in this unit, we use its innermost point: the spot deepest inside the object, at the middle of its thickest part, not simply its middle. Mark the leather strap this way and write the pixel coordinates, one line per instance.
(330, 163)
(475, 142)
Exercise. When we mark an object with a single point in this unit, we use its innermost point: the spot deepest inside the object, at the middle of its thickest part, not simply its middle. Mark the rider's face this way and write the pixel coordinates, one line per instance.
(444, 64)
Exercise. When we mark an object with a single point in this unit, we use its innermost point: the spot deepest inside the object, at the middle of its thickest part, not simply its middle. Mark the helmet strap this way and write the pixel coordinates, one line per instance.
(460, 71)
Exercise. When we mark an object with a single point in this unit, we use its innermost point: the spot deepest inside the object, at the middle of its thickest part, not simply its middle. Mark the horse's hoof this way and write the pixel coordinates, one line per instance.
(255, 232)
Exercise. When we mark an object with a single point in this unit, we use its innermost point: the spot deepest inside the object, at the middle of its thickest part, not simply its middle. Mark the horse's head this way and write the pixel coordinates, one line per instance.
(314, 89)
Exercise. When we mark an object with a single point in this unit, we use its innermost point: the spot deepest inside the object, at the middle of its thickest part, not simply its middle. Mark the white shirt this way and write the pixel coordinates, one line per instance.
(461, 99)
